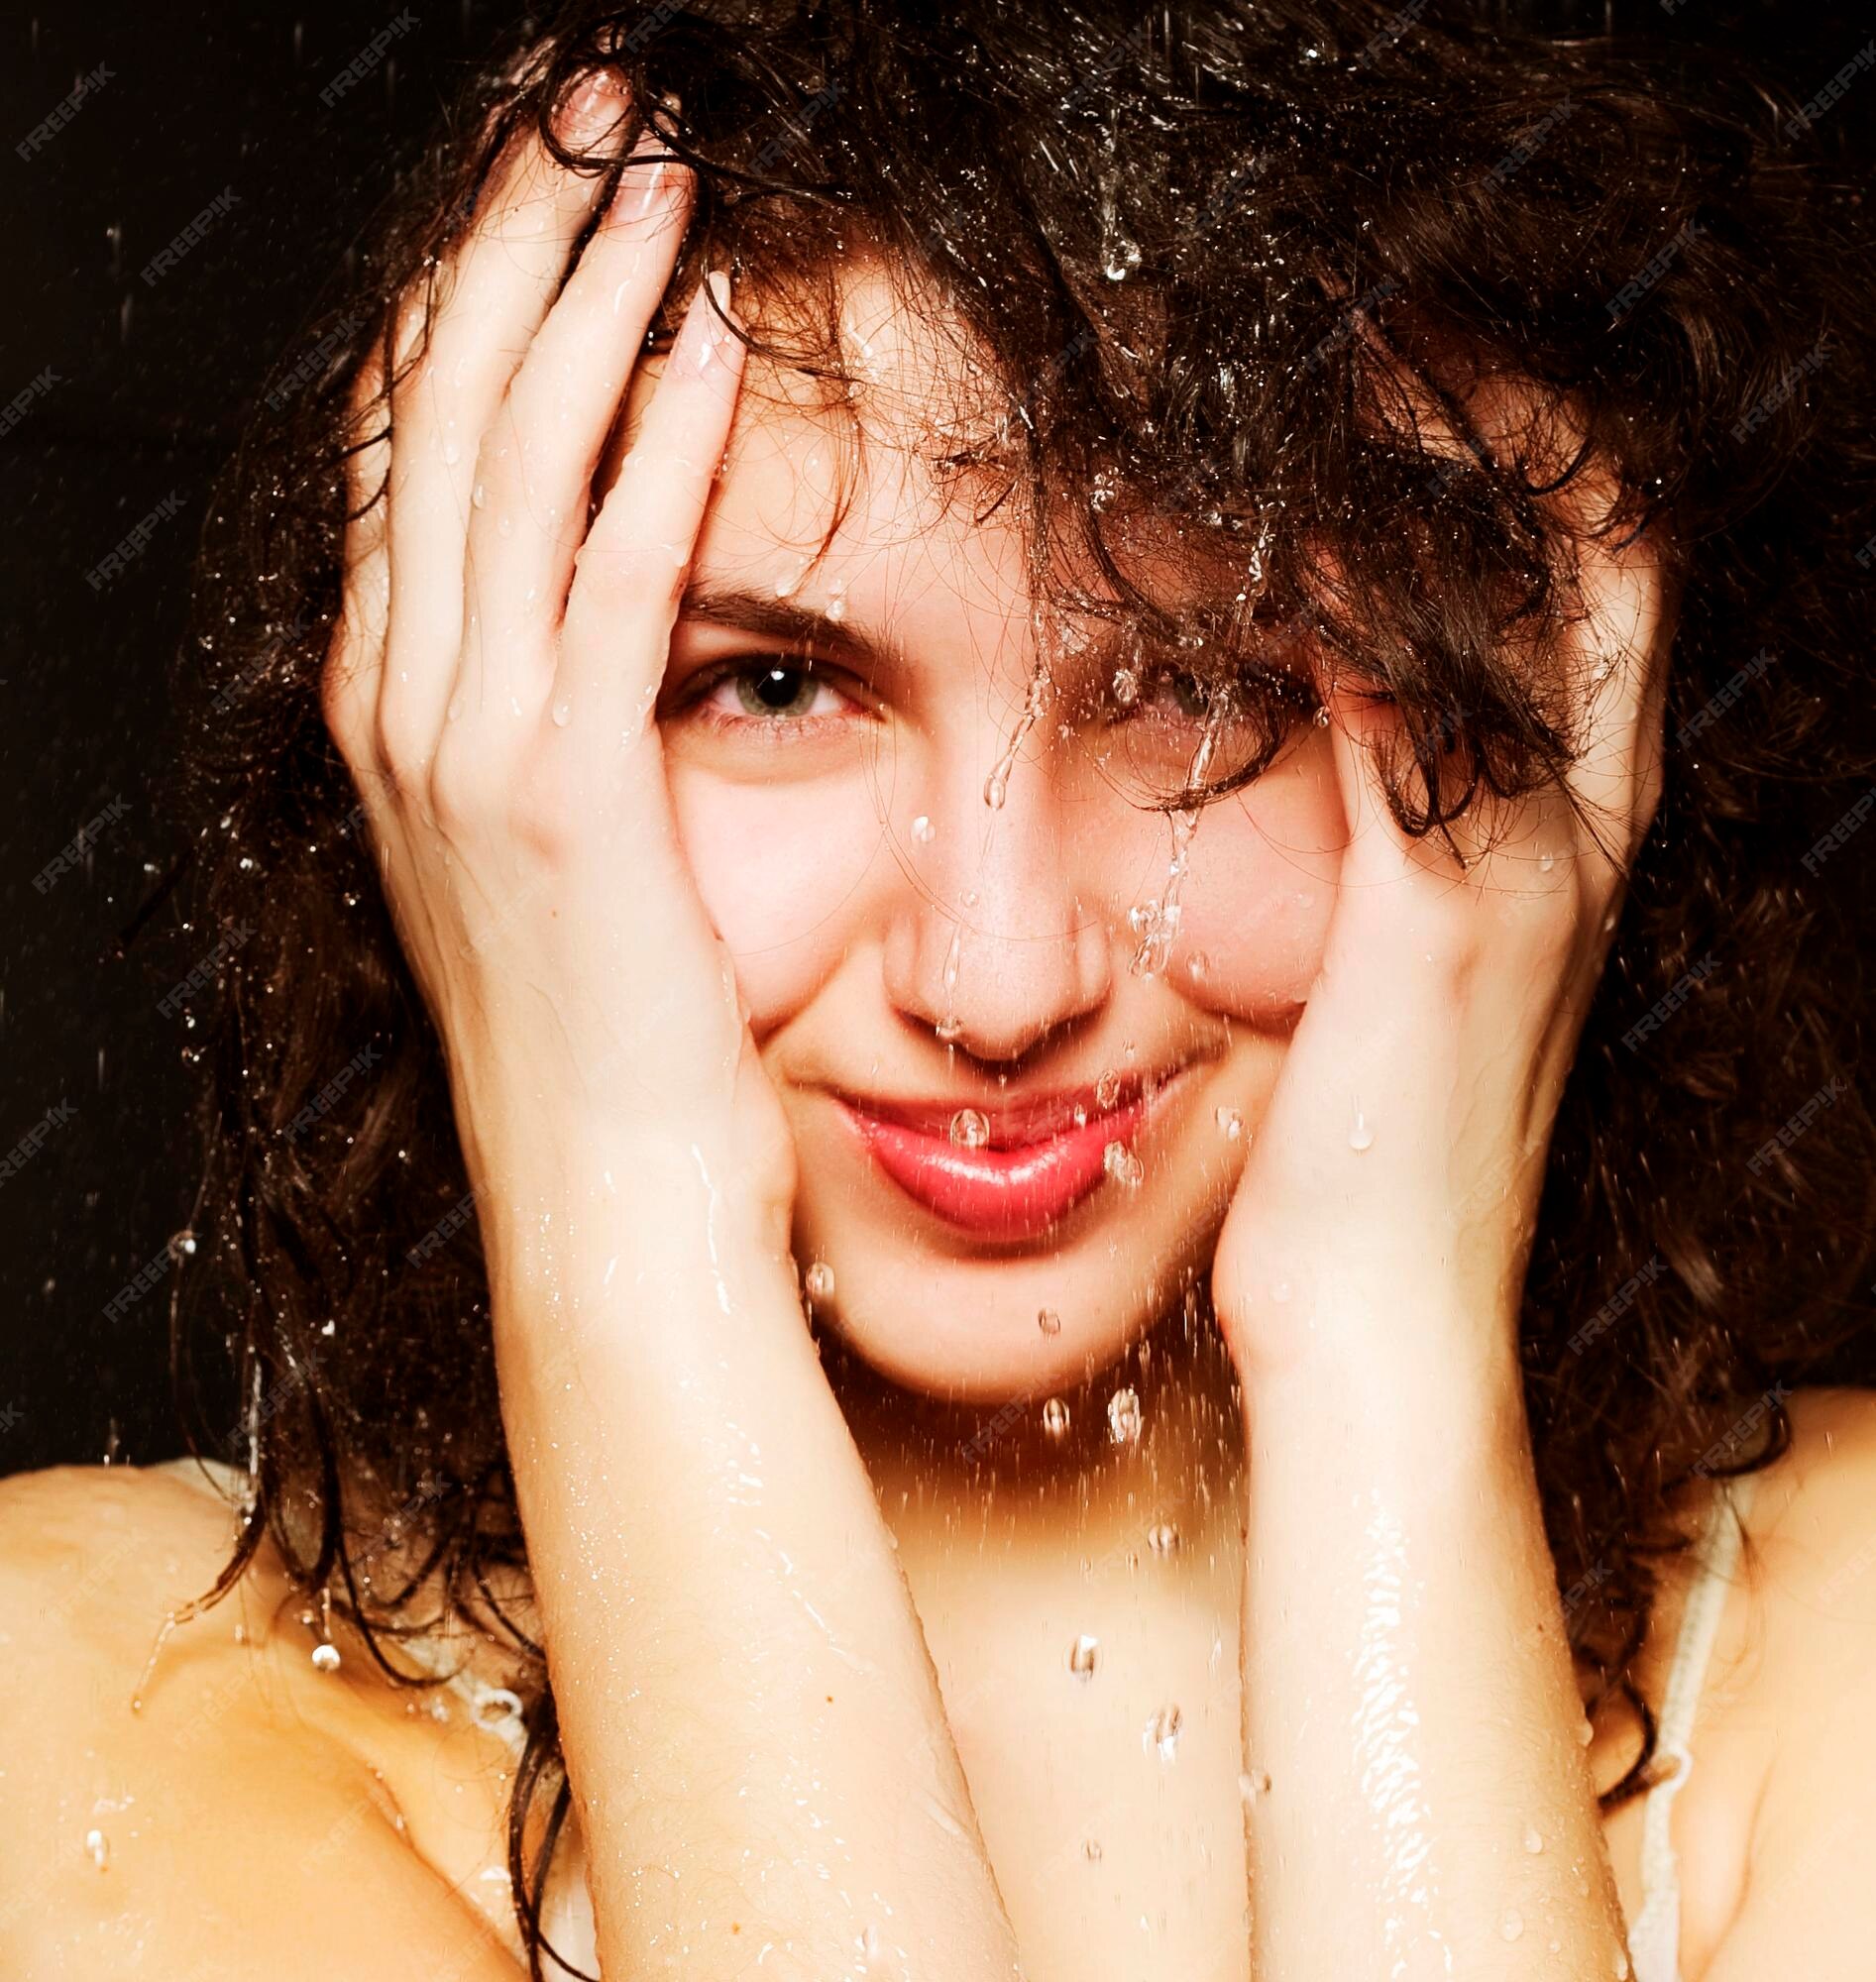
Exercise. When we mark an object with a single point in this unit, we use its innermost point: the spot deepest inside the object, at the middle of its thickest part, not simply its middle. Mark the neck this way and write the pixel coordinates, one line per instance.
(938, 1463)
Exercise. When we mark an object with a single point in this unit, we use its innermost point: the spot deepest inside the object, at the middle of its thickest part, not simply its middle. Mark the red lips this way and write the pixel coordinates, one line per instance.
(1035, 1165)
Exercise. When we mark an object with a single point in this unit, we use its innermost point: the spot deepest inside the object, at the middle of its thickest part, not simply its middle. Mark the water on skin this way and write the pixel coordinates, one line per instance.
(997, 784)
(1386, 1719)
(710, 1231)
(949, 1026)
(1157, 923)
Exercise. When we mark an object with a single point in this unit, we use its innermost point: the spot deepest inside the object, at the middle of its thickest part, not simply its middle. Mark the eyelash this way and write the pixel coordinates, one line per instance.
(1281, 699)
(696, 703)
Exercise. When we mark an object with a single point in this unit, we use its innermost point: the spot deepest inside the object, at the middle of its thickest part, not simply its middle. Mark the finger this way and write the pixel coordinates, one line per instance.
(493, 294)
(1621, 651)
(539, 454)
(354, 655)
(630, 573)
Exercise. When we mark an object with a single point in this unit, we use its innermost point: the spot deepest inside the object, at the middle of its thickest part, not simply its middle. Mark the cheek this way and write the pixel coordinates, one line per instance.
(781, 870)
(1260, 887)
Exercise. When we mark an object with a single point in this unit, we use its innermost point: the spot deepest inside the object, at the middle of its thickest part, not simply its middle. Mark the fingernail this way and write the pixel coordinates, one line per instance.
(639, 191)
(705, 333)
(593, 107)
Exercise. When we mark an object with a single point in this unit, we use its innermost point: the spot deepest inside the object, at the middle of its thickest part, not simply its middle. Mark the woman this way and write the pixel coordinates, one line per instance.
(1133, 878)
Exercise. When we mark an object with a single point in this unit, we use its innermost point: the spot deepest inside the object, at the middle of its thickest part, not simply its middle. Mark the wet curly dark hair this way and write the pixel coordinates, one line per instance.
(1214, 256)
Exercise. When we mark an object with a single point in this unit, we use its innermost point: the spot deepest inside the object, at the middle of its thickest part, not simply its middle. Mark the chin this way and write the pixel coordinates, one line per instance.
(969, 1331)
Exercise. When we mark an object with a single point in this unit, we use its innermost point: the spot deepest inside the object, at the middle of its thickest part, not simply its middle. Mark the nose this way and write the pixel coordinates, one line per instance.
(1001, 940)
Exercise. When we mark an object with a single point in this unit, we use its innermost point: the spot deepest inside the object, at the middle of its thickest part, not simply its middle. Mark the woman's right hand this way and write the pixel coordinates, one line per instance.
(494, 673)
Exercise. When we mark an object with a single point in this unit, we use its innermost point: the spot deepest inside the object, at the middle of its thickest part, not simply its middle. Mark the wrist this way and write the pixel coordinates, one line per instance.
(1392, 1354)
(620, 1204)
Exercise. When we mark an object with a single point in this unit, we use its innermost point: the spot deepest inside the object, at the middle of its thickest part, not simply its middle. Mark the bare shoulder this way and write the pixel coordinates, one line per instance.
(1812, 1523)
(207, 1834)
(1794, 1663)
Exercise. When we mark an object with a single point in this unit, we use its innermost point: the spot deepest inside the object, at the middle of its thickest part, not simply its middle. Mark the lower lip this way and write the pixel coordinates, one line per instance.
(1001, 1194)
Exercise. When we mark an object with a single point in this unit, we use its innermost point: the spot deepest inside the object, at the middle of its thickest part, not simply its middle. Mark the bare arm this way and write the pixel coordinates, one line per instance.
(752, 1726)
(752, 1723)
(1409, 1698)
(1410, 1704)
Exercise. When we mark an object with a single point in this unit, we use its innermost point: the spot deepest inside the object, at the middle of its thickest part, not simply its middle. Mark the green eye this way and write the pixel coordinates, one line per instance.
(776, 689)
(1184, 695)
(1193, 700)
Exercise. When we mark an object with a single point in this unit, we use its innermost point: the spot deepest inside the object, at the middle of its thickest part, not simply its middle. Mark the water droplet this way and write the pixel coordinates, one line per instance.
(1621, 1965)
(1158, 935)
(1081, 1656)
(1163, 1732)
(1251, 1783)
(1546, 863)
(1230, 1121)
(1163, 1538)
(869, 1941)
(477, 496)
(790, 581)
(1124, 1417)
(1092, 1848)
(1122, 1164)
(1512, 1924)
(562, 713)
(969, 1130)
(1055, 1417)
(504, 526)
(1107, 1089)
(454, 709)
(1126, 687)
(1321, 719)
(948, 1026)
(1049, 1321)
(1081, 1117)
(1120, 257)
(949, 1029)
(325, 1658)
(1584, 1733)
(1360, 1132)
(1198, 964)
(820, 1279)
(836, 601)
(922, 831)
(1534, 1840)
(997, 784)
(452, 454)
(969, 898)
(99, 1846)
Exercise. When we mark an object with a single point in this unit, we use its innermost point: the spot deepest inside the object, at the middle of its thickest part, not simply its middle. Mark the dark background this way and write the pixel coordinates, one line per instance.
(152, 381)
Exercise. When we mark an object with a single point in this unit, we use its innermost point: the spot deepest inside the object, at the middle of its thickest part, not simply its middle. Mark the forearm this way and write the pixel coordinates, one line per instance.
(1408, 1692)
(752, 1723)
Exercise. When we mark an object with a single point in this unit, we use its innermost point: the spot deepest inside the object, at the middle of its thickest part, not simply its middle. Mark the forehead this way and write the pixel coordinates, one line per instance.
(875, 433)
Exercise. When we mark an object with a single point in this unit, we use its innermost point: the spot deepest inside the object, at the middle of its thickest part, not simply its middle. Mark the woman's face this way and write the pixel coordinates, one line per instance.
(909, 951)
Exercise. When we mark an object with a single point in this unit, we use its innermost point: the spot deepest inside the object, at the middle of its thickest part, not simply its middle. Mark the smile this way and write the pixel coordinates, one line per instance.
(1036, 1162)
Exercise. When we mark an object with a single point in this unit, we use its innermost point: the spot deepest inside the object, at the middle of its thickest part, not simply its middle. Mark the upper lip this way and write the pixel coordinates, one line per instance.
(1012, 1124)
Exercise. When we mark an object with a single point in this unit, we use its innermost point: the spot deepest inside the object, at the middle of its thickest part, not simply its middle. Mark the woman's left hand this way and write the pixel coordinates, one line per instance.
(1393, 1181)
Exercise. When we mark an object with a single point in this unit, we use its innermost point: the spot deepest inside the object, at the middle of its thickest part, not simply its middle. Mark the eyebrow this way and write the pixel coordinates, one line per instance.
(802, 627)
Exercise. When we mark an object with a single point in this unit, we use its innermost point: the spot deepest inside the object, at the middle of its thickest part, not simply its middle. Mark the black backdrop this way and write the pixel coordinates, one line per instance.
(119, 397)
